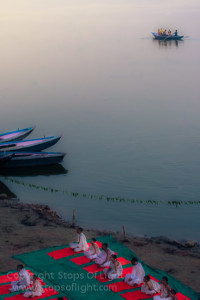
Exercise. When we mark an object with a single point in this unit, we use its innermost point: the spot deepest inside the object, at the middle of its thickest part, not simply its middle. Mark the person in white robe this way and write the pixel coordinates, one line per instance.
(81, 244)
(93, 250)
(150, 286)
(115, 270)
(164, 289)
(137, 275)
(36, 290)
(103, 258)
(172, 296)
(23, 281)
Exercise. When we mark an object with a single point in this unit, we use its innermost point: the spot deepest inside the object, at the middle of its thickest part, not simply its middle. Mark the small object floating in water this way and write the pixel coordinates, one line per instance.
(16, 135)
(166, 37)
(32, 145)
(27, 159)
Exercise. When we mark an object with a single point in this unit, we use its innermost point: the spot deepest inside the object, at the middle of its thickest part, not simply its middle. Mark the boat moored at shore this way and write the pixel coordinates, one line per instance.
(26, 159)
(33, 145)
(16, 135)
(5, 157)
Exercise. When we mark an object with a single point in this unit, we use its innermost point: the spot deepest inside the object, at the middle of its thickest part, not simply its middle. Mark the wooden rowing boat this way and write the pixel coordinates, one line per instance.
(27, 159)
(33, 145)
(16, 135)
(167, 37)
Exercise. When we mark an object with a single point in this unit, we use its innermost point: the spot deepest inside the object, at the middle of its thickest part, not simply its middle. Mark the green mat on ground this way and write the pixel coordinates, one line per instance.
(72, 281)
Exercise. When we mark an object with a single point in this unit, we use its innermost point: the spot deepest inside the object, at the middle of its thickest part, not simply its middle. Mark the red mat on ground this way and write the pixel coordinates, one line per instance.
(182, 297)
(153, 278)
(93, 269)
(121, 286)
(61, 253)
(101, 278)
(5, 289)
(127, 271)
(123, 261)
(9, 277)
(99, 244)
(136, 295)
(47, 293)
(80, 260)
(57, 254)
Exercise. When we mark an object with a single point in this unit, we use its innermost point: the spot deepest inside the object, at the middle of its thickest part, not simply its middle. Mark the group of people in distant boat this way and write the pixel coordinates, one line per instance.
(113, 269)
(164, 32)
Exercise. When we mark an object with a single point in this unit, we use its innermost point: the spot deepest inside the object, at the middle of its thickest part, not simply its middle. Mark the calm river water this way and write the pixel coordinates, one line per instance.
(128, 107)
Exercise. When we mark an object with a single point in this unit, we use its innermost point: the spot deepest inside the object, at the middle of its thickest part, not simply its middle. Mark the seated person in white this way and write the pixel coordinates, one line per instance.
(137, 275)
(93, 250)
(81, 244)
(103, 258)
(115, 270)
(36, 289)
(24, 279)
(150, 286)
(164, 289)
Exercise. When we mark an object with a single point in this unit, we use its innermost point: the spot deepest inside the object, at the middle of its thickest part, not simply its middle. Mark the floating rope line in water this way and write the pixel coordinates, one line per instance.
(101, 197)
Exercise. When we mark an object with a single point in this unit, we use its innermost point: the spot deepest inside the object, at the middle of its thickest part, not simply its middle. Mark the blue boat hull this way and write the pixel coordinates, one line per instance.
(20, 159)
(5, 157)
(167, 37)
(16, 135)
(33, 145)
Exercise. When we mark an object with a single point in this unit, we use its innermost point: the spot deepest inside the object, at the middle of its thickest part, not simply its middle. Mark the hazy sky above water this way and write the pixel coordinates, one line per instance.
(84, 52)
(127, 107)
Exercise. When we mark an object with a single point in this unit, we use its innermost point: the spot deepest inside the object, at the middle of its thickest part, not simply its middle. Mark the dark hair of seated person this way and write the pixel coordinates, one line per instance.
(134, 259)
(20, 267)
(114, 256)
(165, 278)
(147, 277)
(173, 292)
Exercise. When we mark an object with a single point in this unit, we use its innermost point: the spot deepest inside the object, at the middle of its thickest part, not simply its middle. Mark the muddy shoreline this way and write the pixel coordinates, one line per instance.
(29, 227)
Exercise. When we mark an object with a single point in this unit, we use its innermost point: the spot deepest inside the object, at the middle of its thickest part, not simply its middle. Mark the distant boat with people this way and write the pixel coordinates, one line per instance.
(164, 35)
